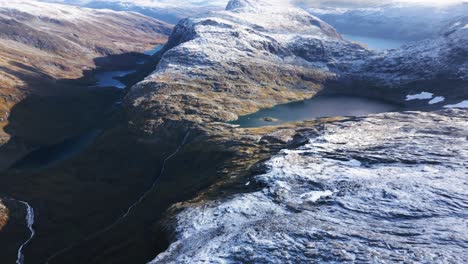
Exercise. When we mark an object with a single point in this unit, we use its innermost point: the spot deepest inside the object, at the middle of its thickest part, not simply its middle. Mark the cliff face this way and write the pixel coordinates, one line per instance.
(41, 43)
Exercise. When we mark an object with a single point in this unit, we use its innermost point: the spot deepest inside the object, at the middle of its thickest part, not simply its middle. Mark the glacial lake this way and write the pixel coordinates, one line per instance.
(376, 43)
(320, 106)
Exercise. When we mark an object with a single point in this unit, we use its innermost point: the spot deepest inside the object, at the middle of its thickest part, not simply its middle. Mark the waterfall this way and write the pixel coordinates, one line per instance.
(30, 223)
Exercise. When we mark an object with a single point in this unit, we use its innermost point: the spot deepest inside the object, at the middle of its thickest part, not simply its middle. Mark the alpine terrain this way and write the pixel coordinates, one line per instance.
(257, 133)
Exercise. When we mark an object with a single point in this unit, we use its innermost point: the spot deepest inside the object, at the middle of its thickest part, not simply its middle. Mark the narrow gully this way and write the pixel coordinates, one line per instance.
(139, 200)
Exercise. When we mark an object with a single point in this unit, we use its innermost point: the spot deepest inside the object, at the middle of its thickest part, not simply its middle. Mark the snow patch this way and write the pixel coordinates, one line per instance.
(420, 96)
(314, 196)
(463, 104)
(436, 100)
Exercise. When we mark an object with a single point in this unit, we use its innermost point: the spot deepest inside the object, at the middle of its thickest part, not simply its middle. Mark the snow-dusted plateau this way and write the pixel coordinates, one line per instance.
(173, 176)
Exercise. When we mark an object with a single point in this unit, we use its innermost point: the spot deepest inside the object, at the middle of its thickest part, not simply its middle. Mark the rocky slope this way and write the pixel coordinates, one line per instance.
(256, 54)
(390, 192)
(214, 68)
(234, 62)
(443, 57)
(3, 215)
(42, 44)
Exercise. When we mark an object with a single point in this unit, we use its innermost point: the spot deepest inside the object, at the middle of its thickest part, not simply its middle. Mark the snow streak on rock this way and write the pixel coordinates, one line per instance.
(388, 187)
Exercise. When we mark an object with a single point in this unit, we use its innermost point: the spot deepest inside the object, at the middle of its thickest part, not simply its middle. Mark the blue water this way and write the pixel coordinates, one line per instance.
(320, 106)
(107, 78)
(376, 43)
(153, 51)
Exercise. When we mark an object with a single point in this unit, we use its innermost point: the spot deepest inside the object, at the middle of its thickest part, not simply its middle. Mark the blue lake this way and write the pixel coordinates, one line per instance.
(376, 43)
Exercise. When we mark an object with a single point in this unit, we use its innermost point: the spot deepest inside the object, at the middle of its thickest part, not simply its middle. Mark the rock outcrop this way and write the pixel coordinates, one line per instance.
(382, 187)
(3, 215)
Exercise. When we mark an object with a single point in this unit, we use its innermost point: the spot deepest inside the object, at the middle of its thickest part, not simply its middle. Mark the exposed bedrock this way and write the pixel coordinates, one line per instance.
(257, 54)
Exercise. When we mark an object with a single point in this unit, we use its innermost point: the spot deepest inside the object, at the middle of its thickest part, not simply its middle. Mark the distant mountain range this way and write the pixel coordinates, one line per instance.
(166, 10)
(408, 21)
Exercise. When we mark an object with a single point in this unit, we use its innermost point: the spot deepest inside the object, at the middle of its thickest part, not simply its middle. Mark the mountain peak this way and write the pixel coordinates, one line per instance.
(235, 4)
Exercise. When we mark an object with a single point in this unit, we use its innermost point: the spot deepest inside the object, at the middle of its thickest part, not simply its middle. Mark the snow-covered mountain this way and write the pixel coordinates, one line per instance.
(256, 54)
(253, 55)
(166, 10)
(407, 21)
(444, 56)
(369, 189)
